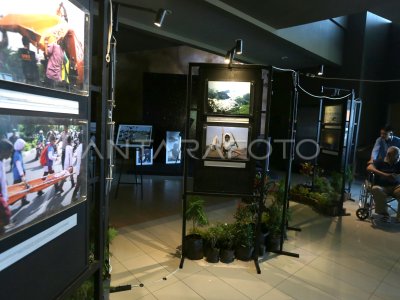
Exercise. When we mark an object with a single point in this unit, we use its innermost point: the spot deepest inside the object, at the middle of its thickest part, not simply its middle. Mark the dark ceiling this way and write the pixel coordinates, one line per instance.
(213, 25)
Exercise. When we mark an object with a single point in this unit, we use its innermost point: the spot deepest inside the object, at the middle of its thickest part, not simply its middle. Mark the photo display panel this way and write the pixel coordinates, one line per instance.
(45, 173)
(228, 97)
(173, 147)
(144, 157)
(45, 44)
(134, 135)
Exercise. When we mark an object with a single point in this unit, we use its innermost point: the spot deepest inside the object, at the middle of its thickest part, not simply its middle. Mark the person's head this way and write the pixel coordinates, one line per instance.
(5, 149)
(25, 41)
(52, 139)
(66, 128)
(386, 132)
(19, 144)
(40, 131)
(69, 140)
(227, 137)
(14, 131)
(393, 155)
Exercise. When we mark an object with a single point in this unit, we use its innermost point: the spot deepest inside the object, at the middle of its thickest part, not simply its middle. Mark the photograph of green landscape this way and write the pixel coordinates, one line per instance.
(228, 97)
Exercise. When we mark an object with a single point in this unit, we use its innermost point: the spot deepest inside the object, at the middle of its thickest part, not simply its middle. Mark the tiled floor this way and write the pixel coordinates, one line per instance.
(340, 257)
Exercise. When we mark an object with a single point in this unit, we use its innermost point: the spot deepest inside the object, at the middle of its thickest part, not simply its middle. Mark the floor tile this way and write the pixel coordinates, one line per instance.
(211, 287)
(388, 292)
(178, 290)
(275, 295)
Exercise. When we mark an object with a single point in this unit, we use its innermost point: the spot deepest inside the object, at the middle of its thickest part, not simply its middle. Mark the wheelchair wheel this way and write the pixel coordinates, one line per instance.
(362, 213)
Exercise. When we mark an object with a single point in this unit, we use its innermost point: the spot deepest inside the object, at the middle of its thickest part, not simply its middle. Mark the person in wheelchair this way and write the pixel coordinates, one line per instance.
(387, 181)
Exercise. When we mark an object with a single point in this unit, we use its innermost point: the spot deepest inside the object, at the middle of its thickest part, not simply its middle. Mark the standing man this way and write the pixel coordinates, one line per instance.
(64, 140)
(386, 140)
(28, 62)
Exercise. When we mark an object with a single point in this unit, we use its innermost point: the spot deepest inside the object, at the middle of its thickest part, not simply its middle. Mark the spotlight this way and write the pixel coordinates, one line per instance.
(321, 71)
(239, 46)
(228, 57)
(160, 16)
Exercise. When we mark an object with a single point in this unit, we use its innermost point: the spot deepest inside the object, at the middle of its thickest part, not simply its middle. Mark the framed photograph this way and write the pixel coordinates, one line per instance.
(333, 114)
(228, 98)
(45, 45)
(330, 139)
(173, 147)
(134, 135)
(46, 172)
(144, 157)
(226, 143)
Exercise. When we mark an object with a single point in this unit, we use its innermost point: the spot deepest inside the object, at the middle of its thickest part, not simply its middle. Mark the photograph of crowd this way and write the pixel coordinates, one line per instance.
(134, 135)
(43, 44)
(42, 168)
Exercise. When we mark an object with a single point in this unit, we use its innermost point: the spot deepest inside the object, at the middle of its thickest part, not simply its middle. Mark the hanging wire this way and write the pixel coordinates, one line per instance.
(352, 79)
(321, 96)
(108, 58)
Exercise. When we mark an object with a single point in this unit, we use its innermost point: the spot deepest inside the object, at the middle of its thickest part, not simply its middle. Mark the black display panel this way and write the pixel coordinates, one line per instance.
(47, 271)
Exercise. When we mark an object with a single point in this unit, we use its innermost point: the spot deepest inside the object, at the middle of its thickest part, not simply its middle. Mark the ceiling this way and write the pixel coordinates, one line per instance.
(278, 33)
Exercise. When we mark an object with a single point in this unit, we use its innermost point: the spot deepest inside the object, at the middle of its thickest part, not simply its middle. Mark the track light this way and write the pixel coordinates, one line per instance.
(160, 16)
(237, 49)
(239, 46)
(321, 71)
(228, 57)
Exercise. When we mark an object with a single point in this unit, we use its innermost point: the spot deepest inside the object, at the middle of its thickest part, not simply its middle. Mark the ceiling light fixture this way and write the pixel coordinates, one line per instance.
(161, 13)
(237, 49)
(321, 71)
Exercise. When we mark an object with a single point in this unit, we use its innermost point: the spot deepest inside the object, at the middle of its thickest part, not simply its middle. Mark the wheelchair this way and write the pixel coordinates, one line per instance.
(366, 201)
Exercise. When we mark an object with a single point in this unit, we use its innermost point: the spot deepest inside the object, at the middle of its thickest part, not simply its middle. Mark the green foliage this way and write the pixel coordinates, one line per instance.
(245, 213)
(322, 185)
(244, 234)
(195, 212)
(227, 238)
(213, 235)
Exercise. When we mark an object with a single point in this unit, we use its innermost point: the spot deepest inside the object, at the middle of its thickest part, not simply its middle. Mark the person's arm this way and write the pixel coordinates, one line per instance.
(21, 173)
(372, 168)
(51, 155)
(375, 150)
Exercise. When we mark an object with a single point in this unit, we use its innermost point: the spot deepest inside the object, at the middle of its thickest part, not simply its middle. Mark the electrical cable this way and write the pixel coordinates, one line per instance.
(323, 97)
(351, 79)
(283, 70)
(108, 58)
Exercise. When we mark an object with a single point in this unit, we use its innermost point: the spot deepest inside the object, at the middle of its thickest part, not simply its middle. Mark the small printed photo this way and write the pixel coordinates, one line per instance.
(173, 147)
(333, 114)
(330, 139)
(144, 157)
(134, 135)
(228, 97)
(42, 168)
(226, 143)
(44, 44)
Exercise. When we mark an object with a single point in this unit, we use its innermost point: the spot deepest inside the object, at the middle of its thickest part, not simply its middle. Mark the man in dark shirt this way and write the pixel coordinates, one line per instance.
(387, 181)
(28, 61)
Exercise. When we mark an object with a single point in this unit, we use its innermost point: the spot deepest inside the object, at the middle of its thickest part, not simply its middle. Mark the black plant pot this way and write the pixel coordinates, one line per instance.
(227, 256)
(244, 253)
(194, 246)
(212, 255)
(273, 243)
(261, 250)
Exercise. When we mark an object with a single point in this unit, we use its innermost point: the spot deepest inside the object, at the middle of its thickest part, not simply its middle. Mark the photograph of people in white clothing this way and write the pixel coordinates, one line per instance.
(37, 183)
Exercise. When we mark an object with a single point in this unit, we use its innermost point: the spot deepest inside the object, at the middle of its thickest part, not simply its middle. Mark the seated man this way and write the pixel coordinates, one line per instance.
(387, 181)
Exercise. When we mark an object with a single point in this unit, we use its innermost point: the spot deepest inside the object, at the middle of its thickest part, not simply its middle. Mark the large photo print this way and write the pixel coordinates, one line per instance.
(228, 97)
(42, 168)
(43, 44)
(134, 135)
(226, 143)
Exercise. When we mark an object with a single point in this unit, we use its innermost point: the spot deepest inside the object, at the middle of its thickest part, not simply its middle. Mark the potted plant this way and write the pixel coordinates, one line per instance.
(227, 241)
(193, 243)
(244, 240)
(212, 238)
